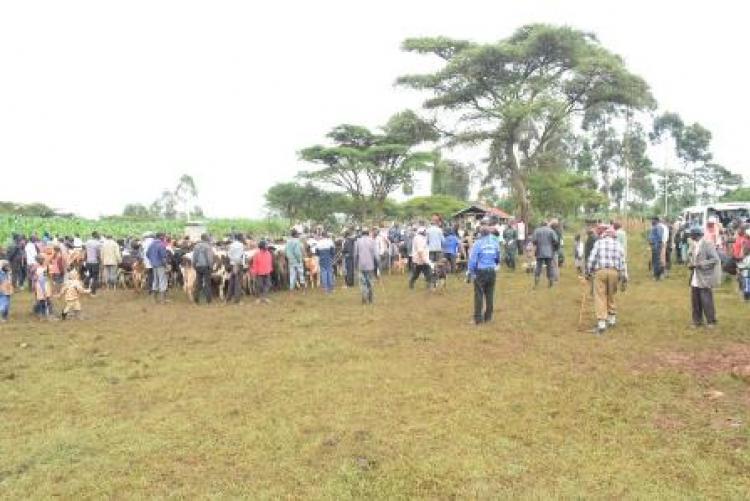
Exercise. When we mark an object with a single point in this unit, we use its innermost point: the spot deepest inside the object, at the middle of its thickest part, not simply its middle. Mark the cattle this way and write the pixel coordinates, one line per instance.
(312, 271)
(280, 275)
(220, 272)
(189, 276)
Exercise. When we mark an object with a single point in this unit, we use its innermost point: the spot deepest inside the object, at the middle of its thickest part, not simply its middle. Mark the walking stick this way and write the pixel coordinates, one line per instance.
(584, 296)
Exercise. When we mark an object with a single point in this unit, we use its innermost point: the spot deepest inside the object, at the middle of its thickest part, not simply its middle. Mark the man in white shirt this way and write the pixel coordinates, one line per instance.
(521, 231)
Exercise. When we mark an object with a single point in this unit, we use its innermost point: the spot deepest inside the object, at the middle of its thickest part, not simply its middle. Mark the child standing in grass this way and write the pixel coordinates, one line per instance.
(6, 289)
(71, 291)
(42, 290)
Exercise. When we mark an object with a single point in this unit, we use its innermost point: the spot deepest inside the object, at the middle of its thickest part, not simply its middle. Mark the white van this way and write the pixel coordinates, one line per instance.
(726, 212)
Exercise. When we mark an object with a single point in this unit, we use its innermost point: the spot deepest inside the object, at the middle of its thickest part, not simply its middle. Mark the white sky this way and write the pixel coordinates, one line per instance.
(104, 103)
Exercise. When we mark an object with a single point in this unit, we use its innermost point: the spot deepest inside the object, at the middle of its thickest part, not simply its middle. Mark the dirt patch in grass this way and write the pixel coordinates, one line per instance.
(702, 363)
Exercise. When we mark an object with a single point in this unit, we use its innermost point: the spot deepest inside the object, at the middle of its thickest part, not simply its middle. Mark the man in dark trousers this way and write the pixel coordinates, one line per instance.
(546, 243)
(348, 251)
(203, 259)
(656, 241)
(483, 260)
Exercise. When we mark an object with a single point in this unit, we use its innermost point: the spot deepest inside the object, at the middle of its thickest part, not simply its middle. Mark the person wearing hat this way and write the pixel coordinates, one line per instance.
(606, 264)
(420, 258)
(483, 261)
(705, 267)
(655, 240)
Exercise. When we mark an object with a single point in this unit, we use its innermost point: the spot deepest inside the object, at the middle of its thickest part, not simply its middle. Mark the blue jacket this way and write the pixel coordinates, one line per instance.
(451, 244)
(485, 254)
(655, 237)
(157, 253)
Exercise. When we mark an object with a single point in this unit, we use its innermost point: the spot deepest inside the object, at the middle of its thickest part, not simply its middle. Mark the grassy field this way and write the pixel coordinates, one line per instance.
(320, 397)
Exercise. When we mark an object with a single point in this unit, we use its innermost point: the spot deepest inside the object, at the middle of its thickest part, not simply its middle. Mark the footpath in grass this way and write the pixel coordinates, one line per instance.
(316, 396)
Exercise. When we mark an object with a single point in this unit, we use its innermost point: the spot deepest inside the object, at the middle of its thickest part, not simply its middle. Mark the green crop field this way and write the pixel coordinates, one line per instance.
(121, 227)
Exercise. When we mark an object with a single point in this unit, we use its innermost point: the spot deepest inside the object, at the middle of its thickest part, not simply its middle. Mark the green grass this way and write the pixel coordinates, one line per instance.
(319, 397)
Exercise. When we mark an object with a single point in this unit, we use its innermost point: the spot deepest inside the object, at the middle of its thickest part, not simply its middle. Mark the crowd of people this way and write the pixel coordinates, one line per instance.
(239, 266)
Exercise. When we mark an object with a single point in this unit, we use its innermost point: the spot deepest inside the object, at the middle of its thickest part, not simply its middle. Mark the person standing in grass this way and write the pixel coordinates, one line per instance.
(545, 243)
(705, 268)
(93, 260)
(157, 255)
(111, 258)
(261, 269)
(510, 237)
(420, 258)
(483, 261)
(435, 238)
(451, 246)
(606, 264)
(203, 260)
(622, 238)
(236, 255)
(42, 290)
(366, 261)
(6, 290)
(293, 251)
(71, 292)
(326, 255)
(656, 241)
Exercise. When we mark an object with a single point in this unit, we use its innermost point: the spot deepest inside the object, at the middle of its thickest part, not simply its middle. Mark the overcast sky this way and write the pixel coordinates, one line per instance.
(104, 103)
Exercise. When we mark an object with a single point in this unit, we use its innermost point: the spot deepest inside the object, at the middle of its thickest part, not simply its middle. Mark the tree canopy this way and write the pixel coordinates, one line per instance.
(518, 96)
(369, 166)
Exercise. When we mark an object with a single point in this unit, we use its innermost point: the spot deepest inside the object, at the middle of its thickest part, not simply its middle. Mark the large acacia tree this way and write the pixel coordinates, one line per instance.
(368, 165)
(520, 95)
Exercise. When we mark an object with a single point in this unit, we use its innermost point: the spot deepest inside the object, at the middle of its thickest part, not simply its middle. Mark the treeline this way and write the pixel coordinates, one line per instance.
(562, 124)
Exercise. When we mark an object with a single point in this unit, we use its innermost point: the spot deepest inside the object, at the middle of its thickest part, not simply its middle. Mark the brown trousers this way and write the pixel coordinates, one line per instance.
(605, 288)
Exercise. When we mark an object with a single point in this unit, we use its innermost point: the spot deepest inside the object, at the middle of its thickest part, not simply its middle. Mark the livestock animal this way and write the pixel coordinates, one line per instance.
(189, 275)
(312, 270)
(399, 265)
(442, 267)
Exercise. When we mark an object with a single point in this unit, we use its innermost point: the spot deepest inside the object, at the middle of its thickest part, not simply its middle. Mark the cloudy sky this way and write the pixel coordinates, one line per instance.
(104, 103)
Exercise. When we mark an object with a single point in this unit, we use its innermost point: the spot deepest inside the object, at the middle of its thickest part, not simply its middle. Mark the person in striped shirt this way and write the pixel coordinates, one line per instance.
(606, 264)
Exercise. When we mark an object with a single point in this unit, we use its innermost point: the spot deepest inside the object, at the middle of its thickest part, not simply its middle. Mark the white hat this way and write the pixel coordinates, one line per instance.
(421, 229)
(713, 219)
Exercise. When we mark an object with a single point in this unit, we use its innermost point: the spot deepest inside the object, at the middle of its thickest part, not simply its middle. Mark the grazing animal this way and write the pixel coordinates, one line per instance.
(189, 275)
(313, 271)
(442, 267)
(399, 265)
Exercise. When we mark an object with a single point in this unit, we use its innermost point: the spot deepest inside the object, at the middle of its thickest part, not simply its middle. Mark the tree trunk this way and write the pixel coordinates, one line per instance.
(517, 182)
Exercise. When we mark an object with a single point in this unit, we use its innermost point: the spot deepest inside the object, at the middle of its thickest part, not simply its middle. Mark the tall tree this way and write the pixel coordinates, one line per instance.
(185, 193)
(452, 178)
(136, 210)
(370, 166)
(691, 144)
(518, 95)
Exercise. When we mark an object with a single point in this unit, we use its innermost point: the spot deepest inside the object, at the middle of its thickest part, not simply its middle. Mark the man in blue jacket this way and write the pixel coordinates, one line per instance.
(656, 240)
(483, 260)
(157, 255)
(451, 246)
